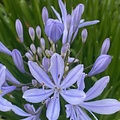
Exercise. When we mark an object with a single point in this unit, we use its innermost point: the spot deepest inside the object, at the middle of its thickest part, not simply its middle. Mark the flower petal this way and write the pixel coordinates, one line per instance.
(105, 106)
(5, 105)
(72, 76)
(73, 96)
(19, 111)
(39, 74)
(97, 89)
(81, 114)
(57, 68)
(63, 10)
(80, 82)
(88, 23)
(36, 95)
(6, 90)
(53, 109)
(2, 75)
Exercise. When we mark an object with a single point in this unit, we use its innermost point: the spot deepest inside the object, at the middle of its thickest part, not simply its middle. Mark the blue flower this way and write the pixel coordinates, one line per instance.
(105, 106)
(5, 105)
(55, 86)
(72, 22)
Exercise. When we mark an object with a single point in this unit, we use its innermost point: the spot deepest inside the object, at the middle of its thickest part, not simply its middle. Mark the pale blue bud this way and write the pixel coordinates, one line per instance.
(32, 33)
(29, 56)
(39, 52)
(84, 35)
(18, 61)
(100, 64)
(64, 49)
(19, 29)
(34, 82)
(105, 46)
(33, 48)
(45, 15)
(38, 32)
(42, 41)
(45, 63)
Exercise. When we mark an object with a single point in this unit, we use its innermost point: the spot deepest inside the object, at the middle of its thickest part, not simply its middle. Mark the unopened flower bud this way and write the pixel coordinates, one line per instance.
(64, 49)
(24, 88)
(4, 49)
(34, 83)
(70, 60)
(100, 64)
(54, 29)
(19, 29)
(39, 51)
(48, 53)
(33, 48)
(32, 33)
(45, 64)
(18, 61)
(45, 15)
(105, 46)
(29, 56)
(38, 32)
(42, 41)
(84, 35)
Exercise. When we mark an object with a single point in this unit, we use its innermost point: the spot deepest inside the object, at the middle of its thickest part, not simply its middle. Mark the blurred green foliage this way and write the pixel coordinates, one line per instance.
(29, 12)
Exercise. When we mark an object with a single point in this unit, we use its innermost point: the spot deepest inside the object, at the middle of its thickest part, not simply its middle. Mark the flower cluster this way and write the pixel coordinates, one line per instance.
(53, 78)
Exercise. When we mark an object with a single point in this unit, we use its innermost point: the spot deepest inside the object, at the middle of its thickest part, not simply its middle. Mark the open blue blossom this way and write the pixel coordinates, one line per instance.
(56, 86)
(5, 105)
(30, 113)
(105, 106)
(72, 22)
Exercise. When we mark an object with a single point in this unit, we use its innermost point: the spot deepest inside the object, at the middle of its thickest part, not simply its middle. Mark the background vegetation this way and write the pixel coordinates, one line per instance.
(29, 12)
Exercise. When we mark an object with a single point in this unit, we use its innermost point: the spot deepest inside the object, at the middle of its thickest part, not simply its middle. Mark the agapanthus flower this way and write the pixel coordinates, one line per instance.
(105, 106)
(5, 105)
(55, 86)
(72, 22)
(30, 113)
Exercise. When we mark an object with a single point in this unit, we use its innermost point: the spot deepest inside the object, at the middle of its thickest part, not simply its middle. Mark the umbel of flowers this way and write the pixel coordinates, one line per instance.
(52, 76)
